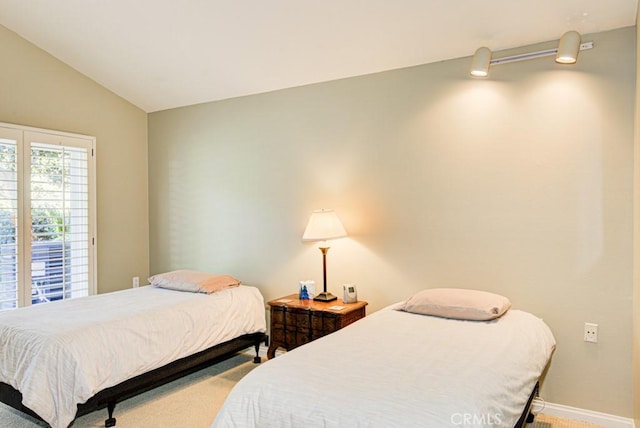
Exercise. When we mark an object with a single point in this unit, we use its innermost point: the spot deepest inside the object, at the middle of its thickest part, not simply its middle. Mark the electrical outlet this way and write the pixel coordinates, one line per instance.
(136, 281)
(590, 332)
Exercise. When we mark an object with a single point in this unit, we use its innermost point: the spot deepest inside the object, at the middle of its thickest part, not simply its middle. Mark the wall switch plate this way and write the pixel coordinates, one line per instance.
(590, 332)
(136, 281)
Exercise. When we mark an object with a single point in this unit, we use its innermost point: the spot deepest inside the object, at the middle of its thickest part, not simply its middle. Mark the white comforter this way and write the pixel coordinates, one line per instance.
(60, 354)
(396, 369)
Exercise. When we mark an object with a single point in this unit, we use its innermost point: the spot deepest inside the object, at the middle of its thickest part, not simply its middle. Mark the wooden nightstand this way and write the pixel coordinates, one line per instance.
(295, 322)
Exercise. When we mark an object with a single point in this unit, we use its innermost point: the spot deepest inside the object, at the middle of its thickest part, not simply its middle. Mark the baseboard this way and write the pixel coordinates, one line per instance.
(596, 418)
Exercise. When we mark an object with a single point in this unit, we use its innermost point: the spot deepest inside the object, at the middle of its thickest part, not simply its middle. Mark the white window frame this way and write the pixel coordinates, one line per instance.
(18, 132)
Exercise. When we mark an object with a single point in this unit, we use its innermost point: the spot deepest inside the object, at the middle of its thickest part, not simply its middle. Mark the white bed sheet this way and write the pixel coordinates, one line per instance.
(396, 369)
(62, 353)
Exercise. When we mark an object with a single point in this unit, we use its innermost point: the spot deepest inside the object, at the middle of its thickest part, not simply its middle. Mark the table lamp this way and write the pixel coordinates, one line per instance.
(324, 225)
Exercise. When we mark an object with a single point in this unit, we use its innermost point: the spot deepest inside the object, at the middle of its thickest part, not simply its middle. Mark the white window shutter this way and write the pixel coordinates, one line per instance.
(47, 218)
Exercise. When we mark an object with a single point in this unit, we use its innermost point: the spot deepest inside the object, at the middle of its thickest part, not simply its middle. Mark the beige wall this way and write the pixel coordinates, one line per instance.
(519, 184)
(38, 90)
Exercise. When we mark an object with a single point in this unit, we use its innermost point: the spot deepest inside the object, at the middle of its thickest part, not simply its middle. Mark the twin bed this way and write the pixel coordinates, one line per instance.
(63, 359)
(395, 368)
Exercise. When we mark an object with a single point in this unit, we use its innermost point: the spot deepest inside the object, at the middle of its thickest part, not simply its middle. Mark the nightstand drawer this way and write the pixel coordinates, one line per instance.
(277, 334)
(277, 317)
(293, 339)
(323, 322)
(297, 320)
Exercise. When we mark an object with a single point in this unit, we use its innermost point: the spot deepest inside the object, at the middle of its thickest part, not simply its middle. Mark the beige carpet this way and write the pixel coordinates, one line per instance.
(545, 421)
(192, 402)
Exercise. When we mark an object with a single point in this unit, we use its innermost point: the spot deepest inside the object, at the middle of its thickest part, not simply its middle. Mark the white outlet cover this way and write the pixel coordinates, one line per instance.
(590, 332)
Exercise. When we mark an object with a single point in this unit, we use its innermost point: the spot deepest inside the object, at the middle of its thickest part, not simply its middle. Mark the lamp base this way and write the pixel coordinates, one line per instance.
(325, 296)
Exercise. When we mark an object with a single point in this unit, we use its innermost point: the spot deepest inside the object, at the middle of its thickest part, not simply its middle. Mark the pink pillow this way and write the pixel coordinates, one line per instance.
(194, 281)
(457, 303)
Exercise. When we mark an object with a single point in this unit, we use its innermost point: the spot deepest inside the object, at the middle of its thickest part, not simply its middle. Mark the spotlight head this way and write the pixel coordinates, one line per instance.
(480, 63)
(568, 48)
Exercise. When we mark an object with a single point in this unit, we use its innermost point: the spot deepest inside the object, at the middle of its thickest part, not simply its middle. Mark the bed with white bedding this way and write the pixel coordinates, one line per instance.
(399, 369)
(61, 354)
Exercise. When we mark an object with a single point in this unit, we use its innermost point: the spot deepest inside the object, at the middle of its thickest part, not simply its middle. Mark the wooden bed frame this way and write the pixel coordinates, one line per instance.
(110, 396)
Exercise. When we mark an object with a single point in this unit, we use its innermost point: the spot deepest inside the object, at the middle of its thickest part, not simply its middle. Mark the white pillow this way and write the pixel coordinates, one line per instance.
(457, 303)
(194, 281)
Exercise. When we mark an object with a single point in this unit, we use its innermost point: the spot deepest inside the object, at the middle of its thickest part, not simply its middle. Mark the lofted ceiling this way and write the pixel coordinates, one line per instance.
(161, 54)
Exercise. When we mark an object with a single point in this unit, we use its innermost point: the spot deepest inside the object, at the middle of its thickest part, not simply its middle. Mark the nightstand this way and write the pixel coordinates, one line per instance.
(295, 322)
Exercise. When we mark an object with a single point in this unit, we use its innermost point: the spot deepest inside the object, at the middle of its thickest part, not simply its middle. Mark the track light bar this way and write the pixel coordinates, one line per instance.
(532, 55)
(566, 53)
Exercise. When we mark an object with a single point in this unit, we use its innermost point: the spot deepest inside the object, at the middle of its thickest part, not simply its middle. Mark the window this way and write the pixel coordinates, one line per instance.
(47, 216)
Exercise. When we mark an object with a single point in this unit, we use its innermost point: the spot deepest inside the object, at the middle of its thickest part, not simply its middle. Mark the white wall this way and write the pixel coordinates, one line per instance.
(519, 184)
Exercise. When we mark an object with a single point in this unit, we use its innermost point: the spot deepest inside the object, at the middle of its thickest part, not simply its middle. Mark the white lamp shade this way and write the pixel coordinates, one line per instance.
(568, 48)
(323, 225)
(481, 62)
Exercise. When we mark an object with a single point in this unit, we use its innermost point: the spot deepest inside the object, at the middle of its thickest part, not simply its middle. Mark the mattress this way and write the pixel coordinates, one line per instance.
(397, 369)
(62, 353)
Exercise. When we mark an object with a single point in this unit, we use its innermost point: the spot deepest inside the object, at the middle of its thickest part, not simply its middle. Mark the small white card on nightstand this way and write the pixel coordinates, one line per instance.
(284, 300)
(336, 308)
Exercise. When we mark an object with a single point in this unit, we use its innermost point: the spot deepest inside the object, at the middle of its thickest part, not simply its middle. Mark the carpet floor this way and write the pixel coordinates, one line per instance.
(193, 402)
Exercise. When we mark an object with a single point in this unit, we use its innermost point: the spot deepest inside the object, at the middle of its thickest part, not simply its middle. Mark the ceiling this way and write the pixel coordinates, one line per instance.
(161, 54)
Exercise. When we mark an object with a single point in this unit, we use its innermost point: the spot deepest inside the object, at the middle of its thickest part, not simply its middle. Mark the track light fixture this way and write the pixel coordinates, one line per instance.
(568, 48)
(480, 63)
(566, 53)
